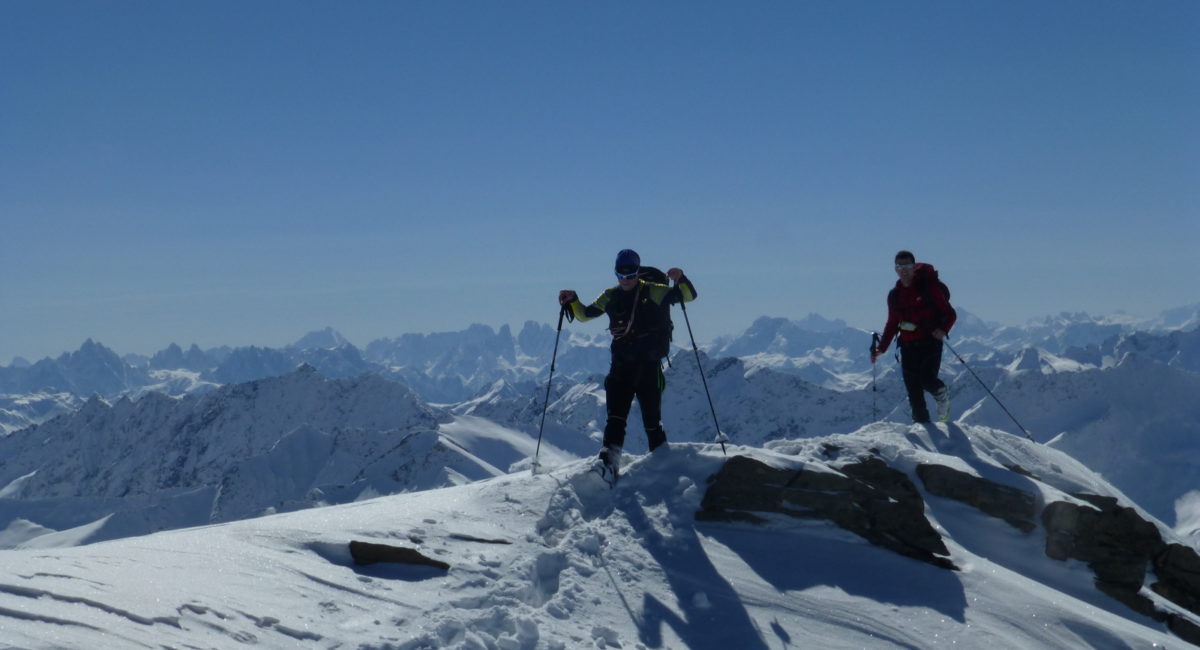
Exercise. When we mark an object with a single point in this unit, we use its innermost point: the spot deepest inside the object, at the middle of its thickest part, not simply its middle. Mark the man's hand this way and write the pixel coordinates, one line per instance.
(674, 273)
(567, 296)
(874, 355)
(939, 335)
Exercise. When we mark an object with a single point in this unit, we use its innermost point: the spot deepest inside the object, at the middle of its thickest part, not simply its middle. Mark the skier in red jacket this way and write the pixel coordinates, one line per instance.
(919, 309)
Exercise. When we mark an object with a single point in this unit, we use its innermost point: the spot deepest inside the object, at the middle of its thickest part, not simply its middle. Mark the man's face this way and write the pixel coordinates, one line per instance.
(627, 277)
(904, 269)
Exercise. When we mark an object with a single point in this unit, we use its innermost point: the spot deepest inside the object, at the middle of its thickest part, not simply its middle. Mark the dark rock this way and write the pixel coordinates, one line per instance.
(481, 540)
(1178, 572)
(1131, 598)
(1184, 629)
(1114, 541)
(1017, 507)
(868, 498)
(1022, 471)
(368, 553)
(1119, 545)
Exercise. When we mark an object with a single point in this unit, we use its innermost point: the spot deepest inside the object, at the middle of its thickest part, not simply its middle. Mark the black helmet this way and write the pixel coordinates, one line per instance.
(627, 264)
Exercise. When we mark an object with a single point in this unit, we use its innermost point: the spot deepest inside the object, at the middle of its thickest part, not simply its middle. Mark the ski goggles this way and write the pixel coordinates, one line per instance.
(626, 272)
(904, 267)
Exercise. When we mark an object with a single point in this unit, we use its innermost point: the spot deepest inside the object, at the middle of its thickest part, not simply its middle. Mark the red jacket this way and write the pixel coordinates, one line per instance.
(923, 304)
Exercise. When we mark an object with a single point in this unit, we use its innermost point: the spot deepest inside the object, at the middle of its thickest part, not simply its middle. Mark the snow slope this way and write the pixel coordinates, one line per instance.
(558, 561)
(273, 445)
(20, 411)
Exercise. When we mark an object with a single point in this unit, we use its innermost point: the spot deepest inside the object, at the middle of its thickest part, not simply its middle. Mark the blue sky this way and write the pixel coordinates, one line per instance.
(237, 173)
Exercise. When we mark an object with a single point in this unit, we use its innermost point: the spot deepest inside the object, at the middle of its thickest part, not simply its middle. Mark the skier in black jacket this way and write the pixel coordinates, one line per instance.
(641, 338)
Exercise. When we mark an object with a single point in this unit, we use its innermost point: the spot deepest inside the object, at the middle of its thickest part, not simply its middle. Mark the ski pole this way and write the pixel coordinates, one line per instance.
(720, 436)
(989, 391)
(874, 377)
(553, 358)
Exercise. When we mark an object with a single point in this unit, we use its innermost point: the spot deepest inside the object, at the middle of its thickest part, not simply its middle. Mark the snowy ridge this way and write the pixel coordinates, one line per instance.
(279, 444)
(560, 561)
(20, 411)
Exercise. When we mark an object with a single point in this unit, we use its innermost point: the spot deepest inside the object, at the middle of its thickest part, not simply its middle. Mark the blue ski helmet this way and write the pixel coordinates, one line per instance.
(628, 257)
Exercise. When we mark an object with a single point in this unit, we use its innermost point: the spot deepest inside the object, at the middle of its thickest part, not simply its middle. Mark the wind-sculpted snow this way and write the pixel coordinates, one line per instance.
(557, 561)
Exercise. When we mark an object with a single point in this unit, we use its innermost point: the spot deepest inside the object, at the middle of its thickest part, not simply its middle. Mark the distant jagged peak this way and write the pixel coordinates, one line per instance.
(536, 327)
(325, 339)
(767, 324)
(94, 404)
(815, 322)
(92, 349)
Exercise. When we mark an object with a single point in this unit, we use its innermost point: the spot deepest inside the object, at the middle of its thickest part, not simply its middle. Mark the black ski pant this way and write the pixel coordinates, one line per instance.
(626, 380)
(919, 363)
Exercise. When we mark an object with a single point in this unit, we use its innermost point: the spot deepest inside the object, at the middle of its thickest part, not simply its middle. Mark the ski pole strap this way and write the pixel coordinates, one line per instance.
(632, 312)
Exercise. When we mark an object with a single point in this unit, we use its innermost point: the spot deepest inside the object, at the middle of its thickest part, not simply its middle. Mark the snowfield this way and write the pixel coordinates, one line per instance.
(557, 560)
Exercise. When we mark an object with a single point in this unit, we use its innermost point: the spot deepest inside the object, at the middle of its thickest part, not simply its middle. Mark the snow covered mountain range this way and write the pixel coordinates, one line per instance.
(201, 438)
(450, 367)
(1120, 399)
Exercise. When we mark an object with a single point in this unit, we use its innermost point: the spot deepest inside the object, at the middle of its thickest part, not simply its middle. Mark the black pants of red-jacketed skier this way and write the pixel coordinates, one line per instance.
(626, 380)
(919, 363)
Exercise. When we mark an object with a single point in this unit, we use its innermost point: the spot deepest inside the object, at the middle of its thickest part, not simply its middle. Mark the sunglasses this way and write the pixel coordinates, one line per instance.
(904, 267)
(626, 272)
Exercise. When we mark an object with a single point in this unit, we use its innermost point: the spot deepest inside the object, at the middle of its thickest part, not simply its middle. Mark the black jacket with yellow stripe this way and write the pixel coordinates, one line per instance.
(639, 319)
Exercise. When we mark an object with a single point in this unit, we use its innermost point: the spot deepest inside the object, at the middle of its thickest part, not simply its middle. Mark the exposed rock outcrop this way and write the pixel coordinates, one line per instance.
(371, 553)
(884, 506)
(867, 497)
(1017, 507)
(1119, 546)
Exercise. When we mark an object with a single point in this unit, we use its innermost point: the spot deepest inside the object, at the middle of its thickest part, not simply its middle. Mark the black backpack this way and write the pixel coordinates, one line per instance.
(656, 276)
